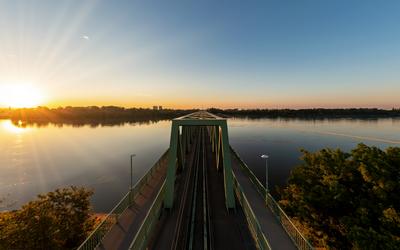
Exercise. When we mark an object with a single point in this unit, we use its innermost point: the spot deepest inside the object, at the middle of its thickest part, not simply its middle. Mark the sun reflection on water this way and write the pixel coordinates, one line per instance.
(10, 127)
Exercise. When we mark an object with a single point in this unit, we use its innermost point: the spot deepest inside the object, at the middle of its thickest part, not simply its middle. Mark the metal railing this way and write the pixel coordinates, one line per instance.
(94, 239)
(297, 237)
(254, 225)
(150, 221)
(253, 178)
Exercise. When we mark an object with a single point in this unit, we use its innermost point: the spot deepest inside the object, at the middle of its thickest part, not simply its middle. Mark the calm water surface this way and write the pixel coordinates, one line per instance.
(36, 160)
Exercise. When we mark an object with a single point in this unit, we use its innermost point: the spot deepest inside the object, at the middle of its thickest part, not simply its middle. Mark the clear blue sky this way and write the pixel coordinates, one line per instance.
(272, 54)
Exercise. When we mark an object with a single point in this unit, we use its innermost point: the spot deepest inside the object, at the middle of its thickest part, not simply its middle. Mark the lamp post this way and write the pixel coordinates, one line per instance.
(266, 176)
(131, 187)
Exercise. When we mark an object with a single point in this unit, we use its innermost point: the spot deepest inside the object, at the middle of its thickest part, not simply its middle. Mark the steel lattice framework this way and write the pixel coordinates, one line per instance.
(181, 137)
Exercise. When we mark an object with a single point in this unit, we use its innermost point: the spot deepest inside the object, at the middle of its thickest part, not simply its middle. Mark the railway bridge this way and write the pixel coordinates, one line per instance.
(198, 195)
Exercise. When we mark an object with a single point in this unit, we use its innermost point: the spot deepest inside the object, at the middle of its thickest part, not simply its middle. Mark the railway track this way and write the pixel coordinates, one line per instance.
(194, 225)
(200, 219)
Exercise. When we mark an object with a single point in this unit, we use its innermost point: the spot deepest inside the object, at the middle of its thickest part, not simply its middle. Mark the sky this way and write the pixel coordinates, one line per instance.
(200, 54)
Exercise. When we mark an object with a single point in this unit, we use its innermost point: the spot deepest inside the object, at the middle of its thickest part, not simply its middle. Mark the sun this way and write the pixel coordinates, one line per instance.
(20, 96)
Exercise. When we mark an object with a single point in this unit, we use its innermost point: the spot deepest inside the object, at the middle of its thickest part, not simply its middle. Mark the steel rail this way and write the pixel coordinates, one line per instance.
(194, 200)
(206, 216)
(210, 231)
(181, 211)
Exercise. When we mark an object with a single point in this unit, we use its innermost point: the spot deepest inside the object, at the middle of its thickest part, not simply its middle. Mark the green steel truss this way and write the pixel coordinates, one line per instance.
(182, 131)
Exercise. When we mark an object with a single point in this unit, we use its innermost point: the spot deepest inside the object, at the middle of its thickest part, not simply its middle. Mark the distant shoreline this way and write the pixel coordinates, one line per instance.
(89, 115)
(317, 113)
(113, 115)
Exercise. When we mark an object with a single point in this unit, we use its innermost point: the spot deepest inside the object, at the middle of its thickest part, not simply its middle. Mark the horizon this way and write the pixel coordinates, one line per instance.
(194, 55)
(205, 108)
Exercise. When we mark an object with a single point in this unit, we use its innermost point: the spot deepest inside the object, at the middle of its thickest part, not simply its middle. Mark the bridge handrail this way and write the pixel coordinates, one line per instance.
(253, 178)
(297, 237)
(95, 237)
(150, 221)
(254, 224)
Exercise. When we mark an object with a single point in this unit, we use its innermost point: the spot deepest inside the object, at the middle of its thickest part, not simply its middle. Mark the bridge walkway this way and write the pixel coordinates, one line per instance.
(121, 234)
(273, 230)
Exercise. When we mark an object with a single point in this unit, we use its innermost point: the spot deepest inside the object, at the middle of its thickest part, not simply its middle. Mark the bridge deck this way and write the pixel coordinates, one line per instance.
(273, 230)
(121, 234)
(229, 228)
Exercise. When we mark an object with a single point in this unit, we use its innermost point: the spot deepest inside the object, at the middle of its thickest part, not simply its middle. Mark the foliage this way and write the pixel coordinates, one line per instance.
(349, 200)
(56, 220)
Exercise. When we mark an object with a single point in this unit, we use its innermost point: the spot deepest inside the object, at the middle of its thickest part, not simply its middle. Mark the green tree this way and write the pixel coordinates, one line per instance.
(348, 200)
(56, 220)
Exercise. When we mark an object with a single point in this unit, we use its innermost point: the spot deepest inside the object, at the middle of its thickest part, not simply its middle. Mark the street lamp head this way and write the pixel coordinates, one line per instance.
(133, 155)
(265, 156)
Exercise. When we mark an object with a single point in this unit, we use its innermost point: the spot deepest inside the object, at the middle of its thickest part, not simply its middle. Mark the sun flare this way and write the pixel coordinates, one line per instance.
(10, 127)
(20, 96)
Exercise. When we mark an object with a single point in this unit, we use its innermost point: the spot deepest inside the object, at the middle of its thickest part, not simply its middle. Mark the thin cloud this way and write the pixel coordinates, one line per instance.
(85, 37)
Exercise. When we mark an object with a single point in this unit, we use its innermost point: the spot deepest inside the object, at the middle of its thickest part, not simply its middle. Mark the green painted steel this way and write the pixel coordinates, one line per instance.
(184, 141)
(297, 237)
(182, 135)
(259, 187)
(148, 226)
(216, 137)
(199, 122)
(254, 225)
(94, 239)
(146, 230)
(229, 197)
(219, 155)
(204, 119)
(170, 185)
(181, 160)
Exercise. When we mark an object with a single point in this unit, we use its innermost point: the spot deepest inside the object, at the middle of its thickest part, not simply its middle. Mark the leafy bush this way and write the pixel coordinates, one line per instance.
(56, 220)
(348, 200)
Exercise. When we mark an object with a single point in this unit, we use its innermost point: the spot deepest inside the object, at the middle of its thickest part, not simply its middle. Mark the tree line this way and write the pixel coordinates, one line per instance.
(316, 113)
(91, 114)
(114, 114)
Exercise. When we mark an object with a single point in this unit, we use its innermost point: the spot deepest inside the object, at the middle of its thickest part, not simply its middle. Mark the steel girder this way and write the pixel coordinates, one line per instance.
(182, 135)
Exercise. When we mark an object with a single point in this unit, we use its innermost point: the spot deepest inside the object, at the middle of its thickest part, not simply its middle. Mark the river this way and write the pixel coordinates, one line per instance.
(38, 159)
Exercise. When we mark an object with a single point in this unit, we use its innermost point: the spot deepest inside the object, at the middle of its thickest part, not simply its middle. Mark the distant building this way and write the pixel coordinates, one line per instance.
(155, 107)
(159, 107)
